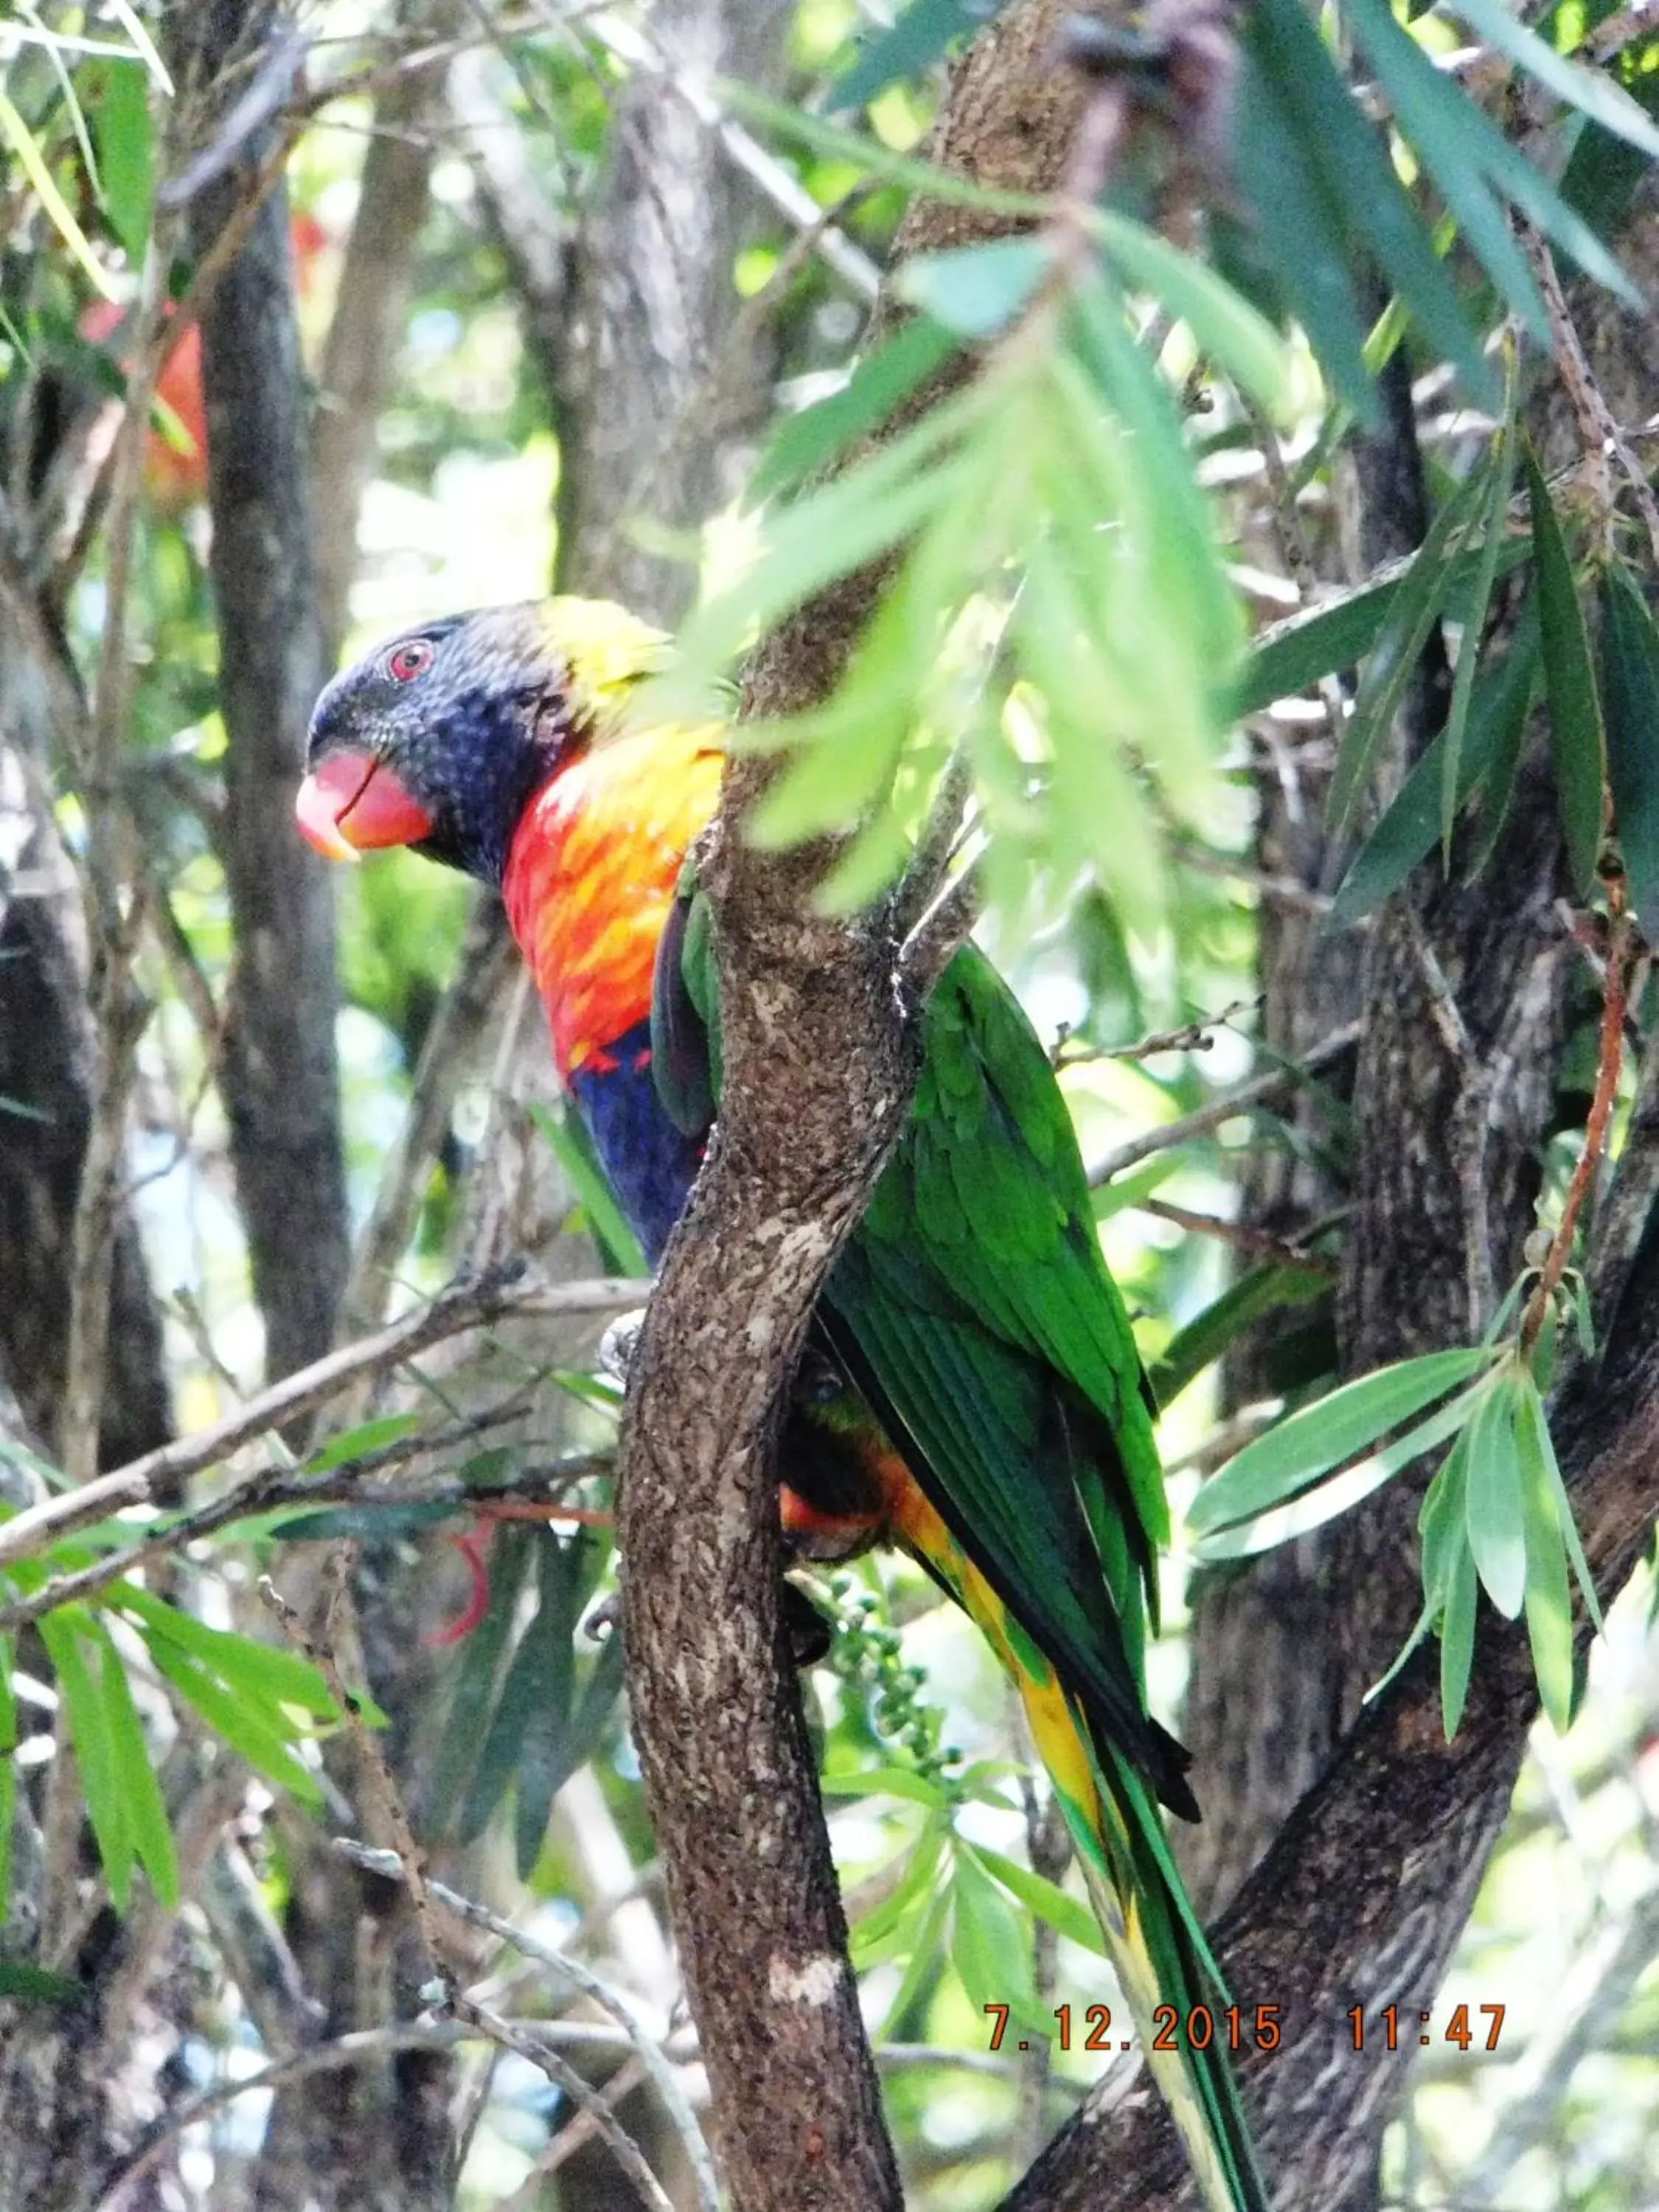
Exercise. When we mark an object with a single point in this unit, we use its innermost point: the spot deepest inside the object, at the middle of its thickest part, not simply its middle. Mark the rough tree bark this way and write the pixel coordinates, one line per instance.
(279, 1074)
(818, 1066)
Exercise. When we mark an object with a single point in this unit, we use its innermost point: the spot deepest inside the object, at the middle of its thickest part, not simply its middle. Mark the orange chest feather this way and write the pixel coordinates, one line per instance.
(591, 876)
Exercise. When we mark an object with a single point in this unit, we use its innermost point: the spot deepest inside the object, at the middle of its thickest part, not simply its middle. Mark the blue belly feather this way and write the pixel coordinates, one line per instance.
(648, 1163)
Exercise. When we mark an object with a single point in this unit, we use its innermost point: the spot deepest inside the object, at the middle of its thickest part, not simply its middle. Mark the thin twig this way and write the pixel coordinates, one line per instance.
(582, 1976)
(362, 2047)
(1259, 1243)
(1599, 430)
(1191, 1036)
(512, 1290)
(1610, 1056)
(1259, 1090)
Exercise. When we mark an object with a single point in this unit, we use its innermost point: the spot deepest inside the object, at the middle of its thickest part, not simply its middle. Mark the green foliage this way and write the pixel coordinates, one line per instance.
(522, 1712)
(1495, 1517)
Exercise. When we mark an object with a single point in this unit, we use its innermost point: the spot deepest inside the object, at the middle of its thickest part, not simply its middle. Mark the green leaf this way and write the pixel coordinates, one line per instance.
(1272, 1288)
(1542, 1445)
(134, 1776)
(1298, 222)
(1549, 1599)
(870, 155)
(1409, 826)
(1591, 91)
(618, 1244)
(359, 1442)
(264, 1672)
(1291, 655)
(473, 1694)
(12, 126)
(923, 31)
(1491, 1499)
(1629, 698)
(987, 1944)
(1394, 662)
(562, 1580)
(1457, 1640)
(887, 1929)
(1508, 707)
(810, 441)
(976, 291)
(245, 1727)
(886, 1782)
(1225, 326)
(1577, 744)
(1046, 1898)
(35, 1985)
(1501, 480)
(118, 103)
(89, 1729)
(1359, 179)
(925, 1955)
(1337, 1493)
(1295, 1452)
(8, 1772)
(1471, 160)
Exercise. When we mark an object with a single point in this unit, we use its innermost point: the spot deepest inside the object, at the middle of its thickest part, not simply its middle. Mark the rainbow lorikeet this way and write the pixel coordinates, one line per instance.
(989, 1411)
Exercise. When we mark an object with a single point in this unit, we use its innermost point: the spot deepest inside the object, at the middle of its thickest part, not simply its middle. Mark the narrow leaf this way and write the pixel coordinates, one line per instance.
(1549, 1599)
(13, 126)
(357, 1443)
(1577, 744)
(1298, 1450)
(1340, 1492)
(1630, 697)
(1422, 598)
(620, 1246)
(135, 1777)
(1046, 1898)
(974, 291)
(1591, 91)
(88, 1727)
(923, 31)
(1500, 481)
(1273, 1288)
(1492, 1504)
(811, 440)
(1457, 1640)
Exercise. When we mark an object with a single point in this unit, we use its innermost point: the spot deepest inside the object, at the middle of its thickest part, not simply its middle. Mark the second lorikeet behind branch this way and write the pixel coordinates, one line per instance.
(988, 1410)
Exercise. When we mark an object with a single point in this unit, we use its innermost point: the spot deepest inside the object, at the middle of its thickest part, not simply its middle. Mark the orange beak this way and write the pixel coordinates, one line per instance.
(354, 803)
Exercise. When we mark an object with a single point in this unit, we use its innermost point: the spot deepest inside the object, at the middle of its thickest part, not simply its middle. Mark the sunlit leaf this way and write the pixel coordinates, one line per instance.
(811, 440)
(58, 212)
(1548, 1598)
(1046, 1898)
(1295, 1452)
(134, 1771)
(976, 291)
(923, 31)
(1492, 1504)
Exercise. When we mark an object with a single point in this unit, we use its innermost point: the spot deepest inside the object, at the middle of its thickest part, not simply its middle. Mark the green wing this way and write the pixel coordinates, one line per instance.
(975, 1312)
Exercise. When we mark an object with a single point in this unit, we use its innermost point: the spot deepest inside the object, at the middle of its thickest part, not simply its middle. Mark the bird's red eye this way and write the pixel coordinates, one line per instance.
(405, 662)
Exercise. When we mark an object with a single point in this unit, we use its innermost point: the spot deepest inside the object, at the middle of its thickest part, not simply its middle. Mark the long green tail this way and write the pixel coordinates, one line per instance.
(1163, 1959)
